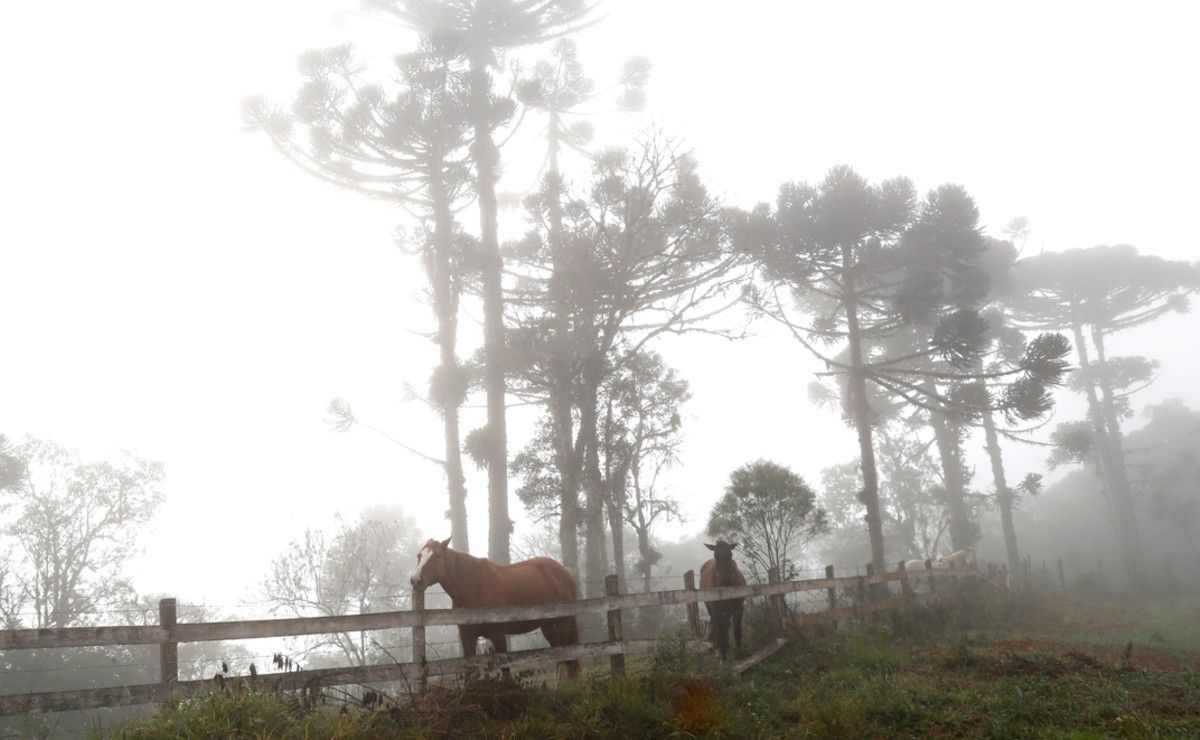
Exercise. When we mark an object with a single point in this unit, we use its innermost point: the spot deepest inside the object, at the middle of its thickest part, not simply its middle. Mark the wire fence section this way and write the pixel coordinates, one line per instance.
(169, 633)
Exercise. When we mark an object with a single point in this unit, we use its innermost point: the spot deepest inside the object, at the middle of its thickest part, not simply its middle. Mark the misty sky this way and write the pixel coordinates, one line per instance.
(170, 285)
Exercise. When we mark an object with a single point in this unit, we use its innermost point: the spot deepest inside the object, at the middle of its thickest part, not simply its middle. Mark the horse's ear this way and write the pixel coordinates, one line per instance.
(709, 546)
(446, 542)
(733, 545)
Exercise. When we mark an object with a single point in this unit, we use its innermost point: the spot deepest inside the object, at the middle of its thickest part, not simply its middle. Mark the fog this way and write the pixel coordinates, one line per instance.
(176, 288)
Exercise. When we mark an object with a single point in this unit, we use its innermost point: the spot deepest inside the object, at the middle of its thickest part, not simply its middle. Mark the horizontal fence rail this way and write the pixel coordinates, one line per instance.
(169, 633)
(408, 673)
(300, 626)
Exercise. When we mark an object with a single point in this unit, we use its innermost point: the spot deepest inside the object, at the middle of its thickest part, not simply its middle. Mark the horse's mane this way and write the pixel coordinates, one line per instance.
(463, 569)
(726, 575)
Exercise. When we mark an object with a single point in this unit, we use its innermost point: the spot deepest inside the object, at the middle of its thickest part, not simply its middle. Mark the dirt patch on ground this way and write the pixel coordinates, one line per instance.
(1042, 657)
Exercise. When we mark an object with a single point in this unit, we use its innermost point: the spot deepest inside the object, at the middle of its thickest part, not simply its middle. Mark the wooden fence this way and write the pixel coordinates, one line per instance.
(168, 633)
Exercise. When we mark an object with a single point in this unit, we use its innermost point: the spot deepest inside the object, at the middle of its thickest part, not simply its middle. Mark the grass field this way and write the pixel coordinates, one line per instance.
(984, 667)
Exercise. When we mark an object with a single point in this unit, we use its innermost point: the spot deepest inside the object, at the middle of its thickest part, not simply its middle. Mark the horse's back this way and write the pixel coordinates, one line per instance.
(537, 580)
(708, 575)
(956, 559)
(556, 573)
(708, 579)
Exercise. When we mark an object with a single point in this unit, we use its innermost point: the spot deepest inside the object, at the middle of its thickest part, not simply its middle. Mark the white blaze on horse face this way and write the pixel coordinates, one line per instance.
(422, 558)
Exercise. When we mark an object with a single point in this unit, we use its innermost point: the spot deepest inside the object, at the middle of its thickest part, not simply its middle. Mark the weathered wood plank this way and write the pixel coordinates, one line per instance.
(168, 651)
(63, 701)
(81, 637)
(612, 587)
(767, 651)
(831, 594)
(419, 658)
(410, 673)
(693, 609)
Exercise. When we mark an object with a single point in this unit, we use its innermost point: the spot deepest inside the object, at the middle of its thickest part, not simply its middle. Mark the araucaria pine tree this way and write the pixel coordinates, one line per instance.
(408, 147)
(647, 253)
(848, 267)
(482, 31)
(1095, 293)
(558, 88)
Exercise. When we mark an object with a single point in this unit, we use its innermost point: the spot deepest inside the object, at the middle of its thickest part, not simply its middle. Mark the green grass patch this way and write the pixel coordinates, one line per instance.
(985, 667)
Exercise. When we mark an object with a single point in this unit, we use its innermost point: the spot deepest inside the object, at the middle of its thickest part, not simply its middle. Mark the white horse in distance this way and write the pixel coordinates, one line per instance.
(958, 560)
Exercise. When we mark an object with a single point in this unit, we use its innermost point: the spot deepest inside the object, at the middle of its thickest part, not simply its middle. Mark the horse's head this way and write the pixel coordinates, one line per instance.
(723, 555)
(431, 564)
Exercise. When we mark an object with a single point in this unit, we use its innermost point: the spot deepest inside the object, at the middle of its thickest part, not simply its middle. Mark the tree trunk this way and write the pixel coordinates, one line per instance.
(486, 157)
(616, 525)
(907, 529)
(1123, 503)
(446, 308)
(962, 529)
(1112, 467)
(456, 482)
(560, 368)
(644, 552)
(593, 487)
(1004, 500)
(615, 481)
(862, 416)
(566, 461)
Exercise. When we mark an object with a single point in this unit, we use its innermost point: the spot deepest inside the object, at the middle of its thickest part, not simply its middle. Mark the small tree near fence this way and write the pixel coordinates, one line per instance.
(772, 513)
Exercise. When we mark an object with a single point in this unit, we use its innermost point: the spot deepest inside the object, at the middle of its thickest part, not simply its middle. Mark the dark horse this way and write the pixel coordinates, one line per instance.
(477, 582)
(722, 571)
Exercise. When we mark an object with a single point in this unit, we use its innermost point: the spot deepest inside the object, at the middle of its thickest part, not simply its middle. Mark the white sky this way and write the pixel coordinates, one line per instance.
(168, 284)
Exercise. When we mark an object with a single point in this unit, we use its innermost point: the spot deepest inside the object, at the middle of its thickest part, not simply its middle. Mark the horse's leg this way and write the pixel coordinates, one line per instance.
(572, 638)
(737, 628)
(721, 627)
(563, 632)
(468, 637)
(500, 642)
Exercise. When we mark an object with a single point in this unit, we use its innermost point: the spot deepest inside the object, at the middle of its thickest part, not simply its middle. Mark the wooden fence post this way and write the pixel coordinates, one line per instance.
(418, 639)
(612, 587)
(693, 608)
(776, 604)
(862, 598)
(832, 594)
(905, 587)
(932, 580)
(1062, 579)
(168, 651)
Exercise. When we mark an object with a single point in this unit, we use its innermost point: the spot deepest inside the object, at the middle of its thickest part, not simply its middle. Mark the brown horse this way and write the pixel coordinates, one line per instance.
(476, 582)
(723, 571)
